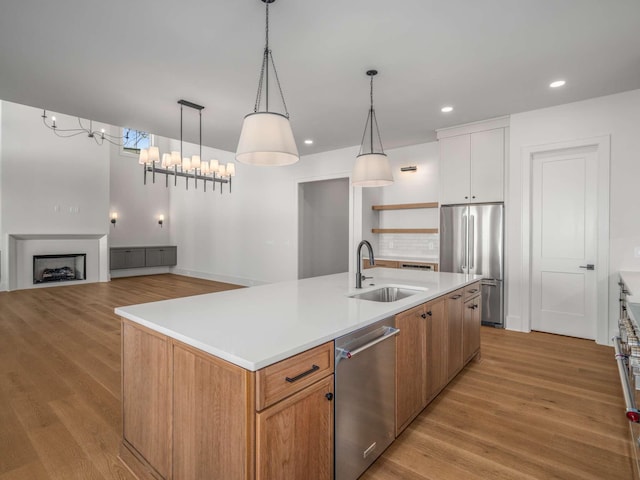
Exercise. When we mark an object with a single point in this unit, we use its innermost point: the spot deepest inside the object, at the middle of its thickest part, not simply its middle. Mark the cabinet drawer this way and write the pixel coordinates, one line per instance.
(471, 291)
(289, 376)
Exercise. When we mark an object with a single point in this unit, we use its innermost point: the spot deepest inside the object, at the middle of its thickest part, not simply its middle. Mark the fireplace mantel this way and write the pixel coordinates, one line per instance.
(17, 264)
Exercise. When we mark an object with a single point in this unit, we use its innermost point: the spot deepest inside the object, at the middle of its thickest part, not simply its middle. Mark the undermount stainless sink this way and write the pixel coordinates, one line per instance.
(386, 294)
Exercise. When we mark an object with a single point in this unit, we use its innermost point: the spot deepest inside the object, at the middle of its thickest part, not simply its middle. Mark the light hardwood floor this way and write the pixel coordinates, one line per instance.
(536, 406)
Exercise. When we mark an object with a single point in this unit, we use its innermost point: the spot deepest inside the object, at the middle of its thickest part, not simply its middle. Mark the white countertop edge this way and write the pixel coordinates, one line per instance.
(396, 307)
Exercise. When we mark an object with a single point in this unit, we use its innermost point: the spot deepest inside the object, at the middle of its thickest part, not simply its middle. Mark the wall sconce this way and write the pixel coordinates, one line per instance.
(114, 218)
(410, 168)
(160, 220)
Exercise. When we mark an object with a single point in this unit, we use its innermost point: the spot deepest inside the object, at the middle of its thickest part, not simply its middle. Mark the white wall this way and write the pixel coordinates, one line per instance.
(615, 115)
(138, 205)
(49, 185)
(249, 236)
(408, 187)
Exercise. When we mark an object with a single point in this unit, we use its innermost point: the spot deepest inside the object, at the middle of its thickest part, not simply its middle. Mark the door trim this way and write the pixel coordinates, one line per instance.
(602, 145)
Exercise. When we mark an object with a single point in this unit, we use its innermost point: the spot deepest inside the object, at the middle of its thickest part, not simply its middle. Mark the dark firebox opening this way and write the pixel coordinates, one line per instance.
(59, 268)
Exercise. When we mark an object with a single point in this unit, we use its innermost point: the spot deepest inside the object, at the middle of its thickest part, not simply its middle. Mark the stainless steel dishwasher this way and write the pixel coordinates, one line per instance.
(365, 397)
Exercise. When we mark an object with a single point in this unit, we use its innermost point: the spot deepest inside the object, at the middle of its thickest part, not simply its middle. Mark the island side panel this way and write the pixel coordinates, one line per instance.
(214, 417)
(146, 396)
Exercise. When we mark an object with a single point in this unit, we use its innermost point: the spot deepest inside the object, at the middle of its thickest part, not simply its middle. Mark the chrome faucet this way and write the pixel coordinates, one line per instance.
(359, 276)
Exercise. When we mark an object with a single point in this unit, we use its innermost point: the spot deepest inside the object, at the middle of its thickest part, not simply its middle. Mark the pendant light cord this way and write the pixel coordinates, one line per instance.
(264, 72)
(371, 120)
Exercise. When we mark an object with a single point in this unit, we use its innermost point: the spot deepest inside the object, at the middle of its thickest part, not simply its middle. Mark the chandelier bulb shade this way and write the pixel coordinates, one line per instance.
(372, 168)
(266, 137)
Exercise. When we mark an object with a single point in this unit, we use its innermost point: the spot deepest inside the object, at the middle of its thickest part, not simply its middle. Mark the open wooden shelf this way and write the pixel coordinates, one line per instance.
(404, 230)
(405, 206)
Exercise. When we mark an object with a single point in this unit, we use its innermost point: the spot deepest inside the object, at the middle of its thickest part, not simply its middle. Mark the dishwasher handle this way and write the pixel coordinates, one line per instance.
(388, 333)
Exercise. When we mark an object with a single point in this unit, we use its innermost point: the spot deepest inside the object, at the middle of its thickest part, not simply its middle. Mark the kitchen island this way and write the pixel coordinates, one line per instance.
(230, 385)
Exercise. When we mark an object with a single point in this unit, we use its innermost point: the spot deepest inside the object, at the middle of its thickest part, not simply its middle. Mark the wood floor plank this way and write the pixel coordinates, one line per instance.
(95, 437)
(28, 471)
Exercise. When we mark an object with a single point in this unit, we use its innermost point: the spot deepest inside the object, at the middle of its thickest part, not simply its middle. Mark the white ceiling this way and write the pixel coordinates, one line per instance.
(127, 62)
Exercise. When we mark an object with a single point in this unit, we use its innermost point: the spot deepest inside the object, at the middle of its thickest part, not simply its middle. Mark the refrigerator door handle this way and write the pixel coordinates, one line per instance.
(472, 229)
(465, 245)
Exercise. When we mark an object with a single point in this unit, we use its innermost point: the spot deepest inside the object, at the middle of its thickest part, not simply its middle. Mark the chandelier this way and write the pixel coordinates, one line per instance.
(266, 137)
(176, 165)
(99, 136)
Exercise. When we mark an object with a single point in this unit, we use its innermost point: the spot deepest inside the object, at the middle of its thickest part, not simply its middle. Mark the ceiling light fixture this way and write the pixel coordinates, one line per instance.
(99, 137)
(557, 83)
(176, 164)
(308, 142)
(266, 137)
(372, 167)
(446, 109)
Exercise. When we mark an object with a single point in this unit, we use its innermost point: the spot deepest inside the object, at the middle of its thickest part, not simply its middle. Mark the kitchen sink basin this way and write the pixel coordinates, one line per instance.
(386, 294)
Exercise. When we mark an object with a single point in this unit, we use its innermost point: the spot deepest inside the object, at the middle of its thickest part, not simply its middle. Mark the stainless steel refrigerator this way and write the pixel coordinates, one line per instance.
(472, 241)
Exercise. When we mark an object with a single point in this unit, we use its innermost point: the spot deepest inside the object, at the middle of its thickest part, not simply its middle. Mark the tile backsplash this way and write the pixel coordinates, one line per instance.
(414, 246)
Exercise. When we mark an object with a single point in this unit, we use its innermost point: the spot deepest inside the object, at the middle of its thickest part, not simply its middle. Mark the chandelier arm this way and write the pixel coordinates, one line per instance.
(275, 72)
(57, 132)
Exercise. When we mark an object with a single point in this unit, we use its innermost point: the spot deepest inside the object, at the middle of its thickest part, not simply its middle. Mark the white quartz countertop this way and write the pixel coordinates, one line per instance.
(632, 282)
(257, 326)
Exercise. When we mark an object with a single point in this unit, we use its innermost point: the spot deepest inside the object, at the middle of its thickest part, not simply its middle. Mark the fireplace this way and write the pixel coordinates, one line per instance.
(59, 268)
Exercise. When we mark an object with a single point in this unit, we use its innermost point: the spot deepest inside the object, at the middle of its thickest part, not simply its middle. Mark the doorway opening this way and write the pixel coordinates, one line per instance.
(323, 227)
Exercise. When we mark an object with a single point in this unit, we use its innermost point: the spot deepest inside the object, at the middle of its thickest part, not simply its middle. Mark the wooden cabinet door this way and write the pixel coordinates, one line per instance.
(455, 170)
(146, 398)
(454, 307)
(294, 438)
(212, 417)
(487, 166)
(471, 327)
(410, 366)
(436, 348)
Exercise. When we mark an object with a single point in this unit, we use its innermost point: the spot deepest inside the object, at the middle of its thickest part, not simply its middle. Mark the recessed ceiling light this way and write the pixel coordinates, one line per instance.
(308, 141)
(446, 109)
(557, 83)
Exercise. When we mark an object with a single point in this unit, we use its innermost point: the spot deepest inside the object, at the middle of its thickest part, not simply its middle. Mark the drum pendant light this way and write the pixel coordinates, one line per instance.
(372, 167)
(266, 137)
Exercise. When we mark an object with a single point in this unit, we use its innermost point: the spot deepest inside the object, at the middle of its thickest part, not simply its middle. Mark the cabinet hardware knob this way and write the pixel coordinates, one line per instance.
(466, 197)
(329, 396)
(430, 313)
(473, 196)
(424, 315)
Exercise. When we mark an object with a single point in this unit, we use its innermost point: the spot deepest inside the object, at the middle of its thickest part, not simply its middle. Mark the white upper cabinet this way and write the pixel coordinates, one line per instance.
(455, 171)
(472, 165)
(487, 166)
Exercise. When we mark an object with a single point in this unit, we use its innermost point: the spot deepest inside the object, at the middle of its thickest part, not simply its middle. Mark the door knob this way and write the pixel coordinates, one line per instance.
(588, 266)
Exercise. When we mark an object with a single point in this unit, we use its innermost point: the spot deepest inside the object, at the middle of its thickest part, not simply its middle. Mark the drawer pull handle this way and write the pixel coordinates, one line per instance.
(473, 290)
(455, 297)
(303, 374)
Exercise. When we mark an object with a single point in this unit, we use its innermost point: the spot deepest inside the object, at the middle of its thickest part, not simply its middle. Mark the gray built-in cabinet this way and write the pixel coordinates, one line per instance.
(139, 257)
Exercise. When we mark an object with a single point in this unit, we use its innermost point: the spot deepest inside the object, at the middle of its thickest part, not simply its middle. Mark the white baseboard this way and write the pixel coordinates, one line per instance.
(246, 282)
(514, 323)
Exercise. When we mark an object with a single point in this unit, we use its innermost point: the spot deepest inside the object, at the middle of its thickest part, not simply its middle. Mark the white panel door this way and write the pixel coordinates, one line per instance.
(455, 172)
(564, 219)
